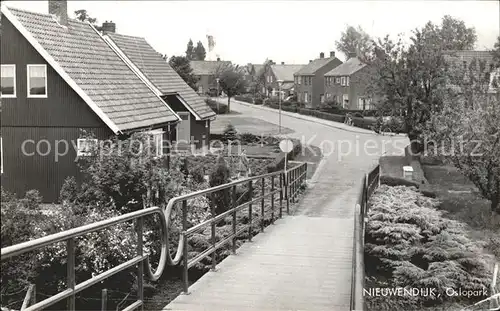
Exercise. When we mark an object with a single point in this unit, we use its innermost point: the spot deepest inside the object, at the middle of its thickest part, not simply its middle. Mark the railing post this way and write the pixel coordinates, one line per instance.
(104, 299)
(272, 199)
(234, 219)
(250, 189)
(262, 218)
(70, 248)
(281, 195)
(212, 225)
(185, 274)
(140, 265)
(287, 200)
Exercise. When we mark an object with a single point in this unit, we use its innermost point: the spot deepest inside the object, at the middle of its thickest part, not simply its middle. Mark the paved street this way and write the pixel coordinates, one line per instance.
(304, 261)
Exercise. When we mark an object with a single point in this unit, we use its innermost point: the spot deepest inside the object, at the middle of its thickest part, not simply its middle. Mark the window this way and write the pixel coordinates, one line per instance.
(322, 98)
(8, 83)
(310, 80)
(337, 81)
(200, 89)
(342, 81)
(306, 97)
(157, 136)
(299, 78)
(37, 80)
(347, 81)
(85, 146)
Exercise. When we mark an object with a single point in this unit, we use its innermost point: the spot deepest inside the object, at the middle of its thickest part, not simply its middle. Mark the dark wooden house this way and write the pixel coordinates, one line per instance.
(59, 77)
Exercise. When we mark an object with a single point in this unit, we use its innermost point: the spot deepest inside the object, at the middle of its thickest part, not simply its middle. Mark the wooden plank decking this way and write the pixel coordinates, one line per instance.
(303, 262)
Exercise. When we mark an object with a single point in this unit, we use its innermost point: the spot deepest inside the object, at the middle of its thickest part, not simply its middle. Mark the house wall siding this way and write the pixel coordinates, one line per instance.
(59, 117)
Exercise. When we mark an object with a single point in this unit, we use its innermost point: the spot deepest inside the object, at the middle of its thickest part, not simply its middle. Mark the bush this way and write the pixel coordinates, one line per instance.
(358, 115)
(410, 244)
(395, 181)
(218, 109)
(230, 133)
(220, 200)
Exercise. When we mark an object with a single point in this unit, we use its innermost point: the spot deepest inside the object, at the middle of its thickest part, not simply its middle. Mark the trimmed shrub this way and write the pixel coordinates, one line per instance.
(410, 244)
(218, 109)
(395, 181)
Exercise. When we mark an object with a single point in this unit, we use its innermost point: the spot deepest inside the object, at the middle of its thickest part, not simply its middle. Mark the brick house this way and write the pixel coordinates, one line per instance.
(283, 72)
(346, 85)
(309, 80)
(205, 71)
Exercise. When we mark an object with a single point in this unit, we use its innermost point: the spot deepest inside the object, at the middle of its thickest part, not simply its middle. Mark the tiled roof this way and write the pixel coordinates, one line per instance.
(285, 72)
(468, 56)
(207, 67)
(159, 72)
(348, 68)
(87, 59)
(314, 66)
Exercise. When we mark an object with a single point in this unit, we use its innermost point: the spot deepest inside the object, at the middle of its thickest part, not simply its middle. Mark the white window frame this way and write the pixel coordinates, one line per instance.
(28, 81)
(299, 78)
(81, 153)
(158, 142)
(337, 80)
(15, 84)
(342, 81)
(306, 95)
(347, 81)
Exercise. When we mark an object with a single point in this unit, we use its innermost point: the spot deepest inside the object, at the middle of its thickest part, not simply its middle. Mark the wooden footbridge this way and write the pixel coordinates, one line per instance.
(308, 258)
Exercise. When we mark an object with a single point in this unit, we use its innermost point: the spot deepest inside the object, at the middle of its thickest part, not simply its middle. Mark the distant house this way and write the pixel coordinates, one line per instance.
(251, 74)
(284, 73)
(205, 71)
(309, 80)
(346, 85)
(476, 61)
(60, 76)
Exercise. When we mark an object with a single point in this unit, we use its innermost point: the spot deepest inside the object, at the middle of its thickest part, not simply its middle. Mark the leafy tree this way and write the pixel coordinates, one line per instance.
(181, 65)
(496, 52)
(83, 16)
(354, 40)
(190, 52)
(232, 82)
(411, 81)
(455, 35)
(467, 131)
(261, 75)
(200, 52)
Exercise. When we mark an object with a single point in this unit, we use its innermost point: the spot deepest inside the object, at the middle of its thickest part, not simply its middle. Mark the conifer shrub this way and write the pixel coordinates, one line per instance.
(230, 133)
(408, 243)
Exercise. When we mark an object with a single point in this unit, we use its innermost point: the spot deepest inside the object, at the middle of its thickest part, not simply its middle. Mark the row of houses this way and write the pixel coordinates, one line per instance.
(60, 77)
(325, 79)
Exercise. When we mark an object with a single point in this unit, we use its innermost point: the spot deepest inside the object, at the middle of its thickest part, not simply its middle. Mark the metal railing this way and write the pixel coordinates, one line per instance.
(287, 189)
(369, 184)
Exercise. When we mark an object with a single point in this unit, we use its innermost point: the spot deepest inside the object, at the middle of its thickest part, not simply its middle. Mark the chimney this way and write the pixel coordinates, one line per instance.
(321, 55)
(352, 54)
(218, 59)
(332, 54)
(282, 63)
(59, 9)
(108, 27)
(310, 61)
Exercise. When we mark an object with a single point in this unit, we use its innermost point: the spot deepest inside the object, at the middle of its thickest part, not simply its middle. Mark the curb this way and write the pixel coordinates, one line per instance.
(332, 124)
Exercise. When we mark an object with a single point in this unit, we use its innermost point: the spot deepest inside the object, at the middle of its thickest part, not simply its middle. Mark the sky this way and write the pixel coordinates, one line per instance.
(293, 32)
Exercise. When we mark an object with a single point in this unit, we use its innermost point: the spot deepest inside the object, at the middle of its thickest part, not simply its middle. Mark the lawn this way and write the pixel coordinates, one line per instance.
(462, 201)
(245, 124)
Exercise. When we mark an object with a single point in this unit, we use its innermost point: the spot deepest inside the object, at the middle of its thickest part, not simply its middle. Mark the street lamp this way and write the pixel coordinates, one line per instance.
(280, 82)
(217, 79)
